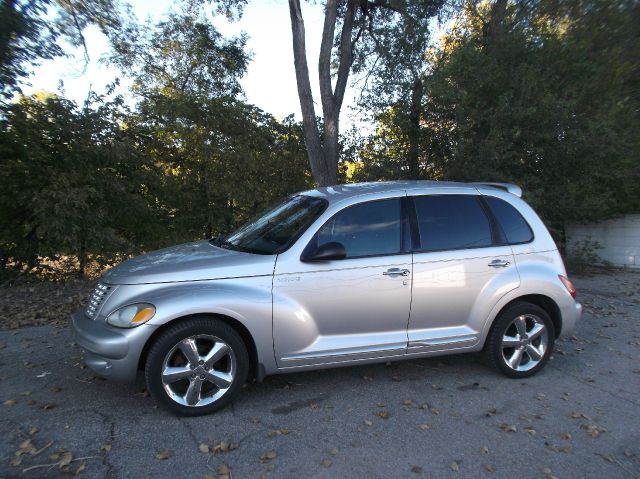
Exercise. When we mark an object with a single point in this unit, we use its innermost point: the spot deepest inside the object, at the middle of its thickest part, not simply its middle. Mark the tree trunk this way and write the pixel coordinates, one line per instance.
(323, 155)
(82, 258)
(310, 127)
(413, 132)
(494, 30)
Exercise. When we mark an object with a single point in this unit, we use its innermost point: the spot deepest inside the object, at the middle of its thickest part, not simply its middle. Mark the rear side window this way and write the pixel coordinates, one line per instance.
(448, 222)
(366, 229)
(514, 226)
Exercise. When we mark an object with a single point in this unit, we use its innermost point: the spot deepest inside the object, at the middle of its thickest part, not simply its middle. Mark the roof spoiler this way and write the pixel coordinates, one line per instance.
(508, 187)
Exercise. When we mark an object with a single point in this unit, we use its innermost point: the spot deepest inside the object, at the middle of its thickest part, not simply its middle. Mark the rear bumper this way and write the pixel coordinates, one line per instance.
(571, 314)
(113, 353)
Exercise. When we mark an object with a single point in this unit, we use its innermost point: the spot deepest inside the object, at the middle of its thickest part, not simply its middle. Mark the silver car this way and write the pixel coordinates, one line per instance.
(336, 276)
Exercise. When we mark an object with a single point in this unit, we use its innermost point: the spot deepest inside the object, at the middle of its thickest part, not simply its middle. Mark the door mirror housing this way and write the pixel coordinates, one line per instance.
(326, 252)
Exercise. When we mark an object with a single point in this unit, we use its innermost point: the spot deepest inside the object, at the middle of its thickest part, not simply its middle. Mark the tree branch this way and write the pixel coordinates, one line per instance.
(346, 53)
(324, 60)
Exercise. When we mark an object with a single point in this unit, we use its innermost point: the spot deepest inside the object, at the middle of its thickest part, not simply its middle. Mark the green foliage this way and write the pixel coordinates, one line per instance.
(188, 160)
(31, 31)
(72, 180)
(544, 95)
(583, 256)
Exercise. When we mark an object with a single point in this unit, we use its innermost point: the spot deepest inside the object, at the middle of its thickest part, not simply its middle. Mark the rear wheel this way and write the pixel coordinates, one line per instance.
(521, 340)
(197, 366)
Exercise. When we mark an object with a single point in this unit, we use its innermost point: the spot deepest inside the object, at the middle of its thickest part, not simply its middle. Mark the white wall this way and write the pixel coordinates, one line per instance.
(619, 237)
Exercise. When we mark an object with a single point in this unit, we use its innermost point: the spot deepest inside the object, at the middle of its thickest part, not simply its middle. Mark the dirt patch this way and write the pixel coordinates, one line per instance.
(34, 304)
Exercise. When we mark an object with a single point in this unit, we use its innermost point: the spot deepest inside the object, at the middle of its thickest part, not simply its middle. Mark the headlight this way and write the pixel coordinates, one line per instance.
(132, 315)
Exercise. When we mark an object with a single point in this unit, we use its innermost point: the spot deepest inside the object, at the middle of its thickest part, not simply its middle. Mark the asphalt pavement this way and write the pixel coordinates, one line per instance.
(438, 417)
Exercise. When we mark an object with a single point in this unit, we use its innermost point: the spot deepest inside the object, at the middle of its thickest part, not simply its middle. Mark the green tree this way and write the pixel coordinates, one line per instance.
(219, 157)
(73, 183)
(32, 31)
(366, 29)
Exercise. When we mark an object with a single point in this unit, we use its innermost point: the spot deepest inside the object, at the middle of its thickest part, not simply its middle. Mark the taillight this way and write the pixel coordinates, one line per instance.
(569, 285)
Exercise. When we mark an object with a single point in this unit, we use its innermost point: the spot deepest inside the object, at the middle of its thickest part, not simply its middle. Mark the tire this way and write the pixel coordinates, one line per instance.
(514, 354)
(205, 362)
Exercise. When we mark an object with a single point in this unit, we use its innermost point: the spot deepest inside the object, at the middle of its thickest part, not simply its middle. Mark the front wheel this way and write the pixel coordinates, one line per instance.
(520, 341)
(197, 366)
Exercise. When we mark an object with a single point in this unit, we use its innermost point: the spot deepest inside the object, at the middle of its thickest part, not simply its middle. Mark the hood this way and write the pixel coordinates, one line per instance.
(189, 262)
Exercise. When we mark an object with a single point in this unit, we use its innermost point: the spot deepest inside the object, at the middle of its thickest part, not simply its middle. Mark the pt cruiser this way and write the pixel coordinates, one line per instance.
(330, 277)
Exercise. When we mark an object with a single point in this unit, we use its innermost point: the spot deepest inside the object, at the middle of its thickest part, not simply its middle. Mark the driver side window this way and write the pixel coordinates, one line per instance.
(367, 229)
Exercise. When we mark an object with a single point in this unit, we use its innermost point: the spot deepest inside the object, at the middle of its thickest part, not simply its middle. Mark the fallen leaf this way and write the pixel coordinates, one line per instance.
(203, 448)
(425, 427)
(326, 462)
(10, 402)
(566, 436)
(267, 456)
(491, 412)
(334, 451)
(484, 450)
(163, 455)
(368, 423)
(593, 429)
(508, 427)
(407, 402)
(454, 466)
(540, 397)
(416, 469)
(278, 432)
(106, 448)
(65, 459)
(489, 467)
(224, 470)
(383, 414)
(81, 468)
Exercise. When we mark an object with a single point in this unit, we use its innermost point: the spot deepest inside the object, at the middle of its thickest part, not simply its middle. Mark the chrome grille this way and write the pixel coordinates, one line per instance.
(98, 296)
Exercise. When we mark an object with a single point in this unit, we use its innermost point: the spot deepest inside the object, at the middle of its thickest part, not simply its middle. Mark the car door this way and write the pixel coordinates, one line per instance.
(459, 271)
(348, 309)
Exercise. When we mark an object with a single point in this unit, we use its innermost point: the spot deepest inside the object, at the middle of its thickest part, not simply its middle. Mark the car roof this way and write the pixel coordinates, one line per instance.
(341, 192)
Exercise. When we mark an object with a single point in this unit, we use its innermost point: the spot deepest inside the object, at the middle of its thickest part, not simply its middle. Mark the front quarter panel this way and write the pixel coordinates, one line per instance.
(247, 300)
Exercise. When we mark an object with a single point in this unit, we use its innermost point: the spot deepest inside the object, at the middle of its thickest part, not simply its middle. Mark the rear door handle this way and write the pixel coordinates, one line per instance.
(499, 263)
(396, 272)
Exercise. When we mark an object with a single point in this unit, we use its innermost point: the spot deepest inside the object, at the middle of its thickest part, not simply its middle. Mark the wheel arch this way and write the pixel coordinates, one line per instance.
(255, 368)
(544, 302)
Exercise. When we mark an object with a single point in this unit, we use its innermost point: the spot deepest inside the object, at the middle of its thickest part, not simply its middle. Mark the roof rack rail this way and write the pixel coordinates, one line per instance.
(508, 187)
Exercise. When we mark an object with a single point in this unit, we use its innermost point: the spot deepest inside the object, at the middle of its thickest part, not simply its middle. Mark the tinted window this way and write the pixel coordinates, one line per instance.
(367, 229)
(513, 224)
(452, 222)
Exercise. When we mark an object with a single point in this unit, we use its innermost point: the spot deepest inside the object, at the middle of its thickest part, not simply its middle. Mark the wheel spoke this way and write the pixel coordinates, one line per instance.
(510, 342)
(533, 352)
(221, 379)
(516, 357)
(218, 351)
(536, 331)
(173, 374)
(193, 391)
(521, 326)
(189, 349)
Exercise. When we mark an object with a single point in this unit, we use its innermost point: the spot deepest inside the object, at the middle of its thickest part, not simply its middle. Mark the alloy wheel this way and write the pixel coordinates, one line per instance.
(199, 370)
(525, 342)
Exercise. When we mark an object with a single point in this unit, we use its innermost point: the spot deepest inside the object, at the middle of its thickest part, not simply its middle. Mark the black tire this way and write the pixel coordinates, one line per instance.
(495, 355)
(203, 328)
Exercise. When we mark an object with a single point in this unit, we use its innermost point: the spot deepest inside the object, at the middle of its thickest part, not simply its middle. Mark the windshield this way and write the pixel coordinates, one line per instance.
(275, 230)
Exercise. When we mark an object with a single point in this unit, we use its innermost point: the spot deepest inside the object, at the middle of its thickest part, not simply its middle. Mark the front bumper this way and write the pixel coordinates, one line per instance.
(113, 353)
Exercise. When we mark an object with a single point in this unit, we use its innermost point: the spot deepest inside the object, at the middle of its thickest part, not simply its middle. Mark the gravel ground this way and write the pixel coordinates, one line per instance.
(441, 417)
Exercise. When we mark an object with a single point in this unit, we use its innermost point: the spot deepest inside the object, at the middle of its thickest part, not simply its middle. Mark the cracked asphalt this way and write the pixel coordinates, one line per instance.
(438, 417)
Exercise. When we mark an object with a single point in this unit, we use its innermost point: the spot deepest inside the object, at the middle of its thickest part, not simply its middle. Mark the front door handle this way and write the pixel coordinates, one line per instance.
(499, 263)
(396, 272)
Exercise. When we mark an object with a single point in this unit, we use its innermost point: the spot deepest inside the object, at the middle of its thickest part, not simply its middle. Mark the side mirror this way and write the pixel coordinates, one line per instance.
(326, 252)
